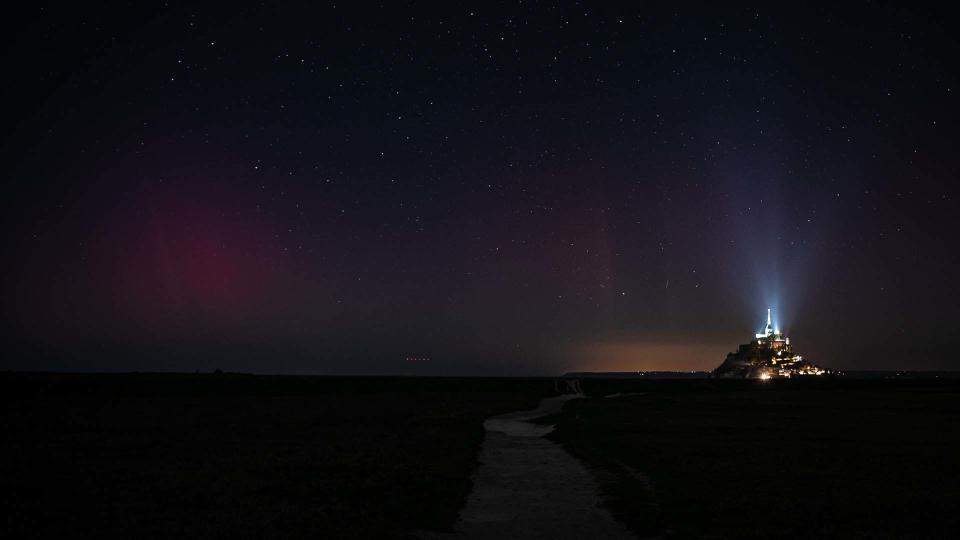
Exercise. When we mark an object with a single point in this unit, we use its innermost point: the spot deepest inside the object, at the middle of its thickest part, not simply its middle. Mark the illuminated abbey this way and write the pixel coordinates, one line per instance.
(769, 355)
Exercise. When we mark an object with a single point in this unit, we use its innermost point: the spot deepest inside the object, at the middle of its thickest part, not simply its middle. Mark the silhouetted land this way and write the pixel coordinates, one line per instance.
(774, 459)
(240, 456)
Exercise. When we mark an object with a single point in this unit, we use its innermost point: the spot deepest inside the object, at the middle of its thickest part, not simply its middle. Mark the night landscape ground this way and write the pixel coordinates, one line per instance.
(242, 456)
(239, 456)
(776, 459)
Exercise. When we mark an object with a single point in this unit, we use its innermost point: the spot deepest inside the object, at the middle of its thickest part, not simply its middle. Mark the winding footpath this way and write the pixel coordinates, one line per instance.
(528, 487)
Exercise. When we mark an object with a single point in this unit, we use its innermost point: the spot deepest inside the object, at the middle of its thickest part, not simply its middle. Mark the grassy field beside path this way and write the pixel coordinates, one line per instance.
(241, 456)
(780, 459)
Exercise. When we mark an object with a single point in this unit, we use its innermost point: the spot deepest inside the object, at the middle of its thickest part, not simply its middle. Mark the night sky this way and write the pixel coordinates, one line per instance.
(525, 188)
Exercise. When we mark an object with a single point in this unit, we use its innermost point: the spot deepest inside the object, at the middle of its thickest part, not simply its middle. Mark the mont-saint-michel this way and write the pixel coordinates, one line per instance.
(768, 355)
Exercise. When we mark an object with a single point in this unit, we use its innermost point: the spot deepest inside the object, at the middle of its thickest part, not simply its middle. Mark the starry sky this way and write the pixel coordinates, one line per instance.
(501, 189)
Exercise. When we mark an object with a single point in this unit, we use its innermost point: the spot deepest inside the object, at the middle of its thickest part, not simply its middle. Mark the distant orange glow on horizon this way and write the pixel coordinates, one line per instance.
(646, 356)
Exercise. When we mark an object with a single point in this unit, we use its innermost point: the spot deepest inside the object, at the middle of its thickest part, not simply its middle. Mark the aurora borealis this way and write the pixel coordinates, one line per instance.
(509, 189)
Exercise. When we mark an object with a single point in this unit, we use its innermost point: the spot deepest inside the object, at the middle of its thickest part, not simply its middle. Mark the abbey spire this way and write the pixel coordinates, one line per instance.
(768, 330)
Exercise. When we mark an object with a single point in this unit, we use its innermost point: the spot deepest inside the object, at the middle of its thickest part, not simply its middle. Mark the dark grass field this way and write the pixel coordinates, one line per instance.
(775, 459)
(240, 456)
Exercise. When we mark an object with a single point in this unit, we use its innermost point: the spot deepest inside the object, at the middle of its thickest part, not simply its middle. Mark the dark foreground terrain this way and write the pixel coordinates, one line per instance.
(240, 456)
(774, 459)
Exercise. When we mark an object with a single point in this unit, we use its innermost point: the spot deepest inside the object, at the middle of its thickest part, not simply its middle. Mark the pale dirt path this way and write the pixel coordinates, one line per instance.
(528, 487)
